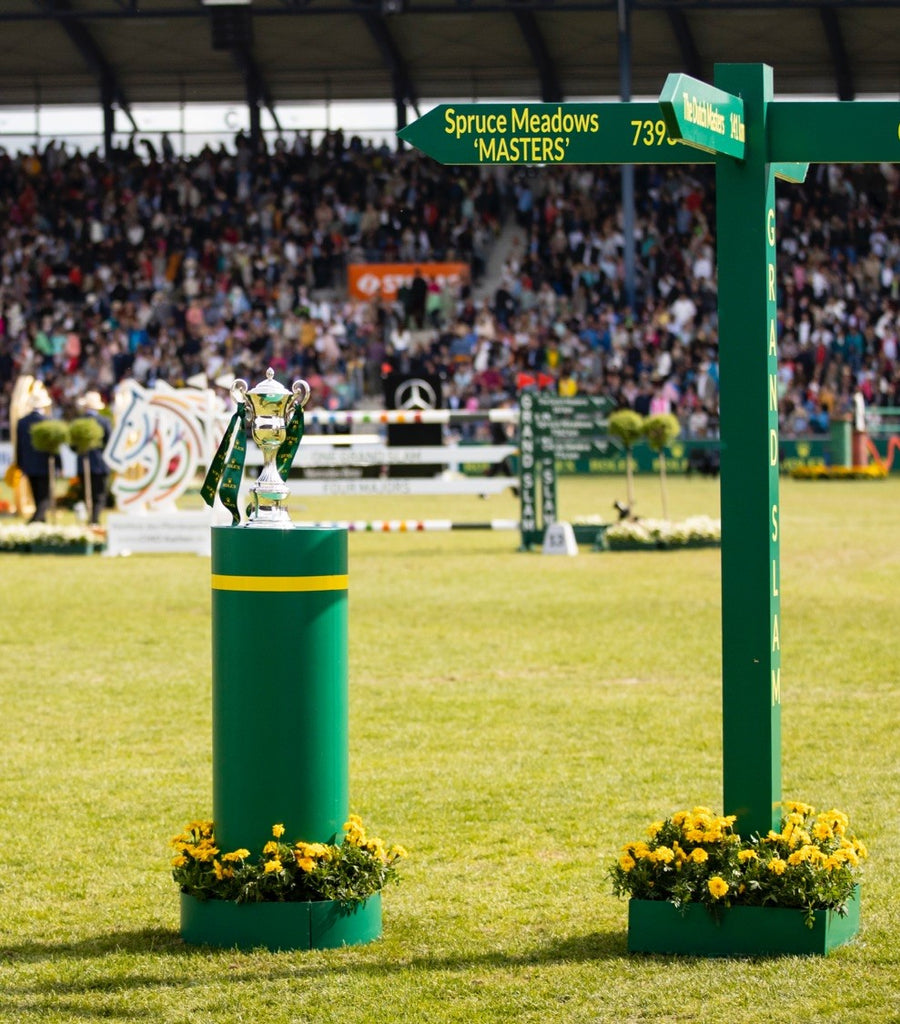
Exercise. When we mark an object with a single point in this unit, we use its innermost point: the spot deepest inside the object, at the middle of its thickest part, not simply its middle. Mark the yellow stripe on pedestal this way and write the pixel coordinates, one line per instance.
(279, 584)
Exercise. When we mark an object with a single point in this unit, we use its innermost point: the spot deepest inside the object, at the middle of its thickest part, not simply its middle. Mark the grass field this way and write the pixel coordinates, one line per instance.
(514, 719)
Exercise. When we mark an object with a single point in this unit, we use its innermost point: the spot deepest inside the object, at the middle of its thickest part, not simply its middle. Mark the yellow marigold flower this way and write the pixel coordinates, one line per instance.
(663, 855)
(205, 853)
(797, 857)
(831, 863)
(240, 854)
(837, 819)
(795, 807)
(860, 847)
(203, 828)
(627, 862)
(777, 866)
(306, 864)
(745, 855)
(822, 830)
(654, 828)
(278, 831)
(272, 866)
(179, 861)
(270, 847)
(699, 856)
(695, 835)
(717, 887)
(679, 818)
(376, 848)
(222, 872)
(397, 851)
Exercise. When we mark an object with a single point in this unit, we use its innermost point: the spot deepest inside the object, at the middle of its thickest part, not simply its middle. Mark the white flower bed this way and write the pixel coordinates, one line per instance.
(661, 533)
(27, 536)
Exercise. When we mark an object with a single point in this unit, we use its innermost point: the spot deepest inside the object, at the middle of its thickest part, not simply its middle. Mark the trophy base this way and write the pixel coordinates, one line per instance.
(267, 510)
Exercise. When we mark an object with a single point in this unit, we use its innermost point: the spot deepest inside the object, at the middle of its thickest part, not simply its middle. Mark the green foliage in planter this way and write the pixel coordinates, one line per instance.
(660, 430)
(85, 435)
(49, 435)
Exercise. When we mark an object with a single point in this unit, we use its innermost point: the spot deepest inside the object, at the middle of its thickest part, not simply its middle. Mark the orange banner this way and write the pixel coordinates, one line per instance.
(365, 280)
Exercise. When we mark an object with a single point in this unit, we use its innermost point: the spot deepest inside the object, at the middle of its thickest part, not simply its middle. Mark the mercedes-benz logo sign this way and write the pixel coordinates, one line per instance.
(415, 393)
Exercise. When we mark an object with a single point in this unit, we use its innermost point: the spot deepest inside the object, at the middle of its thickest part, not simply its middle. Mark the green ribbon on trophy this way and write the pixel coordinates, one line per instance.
(229, 474)
(285, 457)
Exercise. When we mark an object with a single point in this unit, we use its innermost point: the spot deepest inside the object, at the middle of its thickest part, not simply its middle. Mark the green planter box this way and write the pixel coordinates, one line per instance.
(87, 548)
(279, 926)
(655, 926)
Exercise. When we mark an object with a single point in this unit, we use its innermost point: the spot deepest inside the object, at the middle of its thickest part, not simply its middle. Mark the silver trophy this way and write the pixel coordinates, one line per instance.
(269, 408)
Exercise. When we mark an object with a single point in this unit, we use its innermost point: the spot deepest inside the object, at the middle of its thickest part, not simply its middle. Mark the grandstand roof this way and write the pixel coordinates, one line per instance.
(126, 52)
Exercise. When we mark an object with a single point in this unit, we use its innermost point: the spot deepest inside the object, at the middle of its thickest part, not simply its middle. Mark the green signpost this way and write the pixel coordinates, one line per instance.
(752, 138)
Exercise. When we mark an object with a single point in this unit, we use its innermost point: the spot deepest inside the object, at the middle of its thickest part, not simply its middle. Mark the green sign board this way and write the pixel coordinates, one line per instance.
(703, 116)
(548, 133)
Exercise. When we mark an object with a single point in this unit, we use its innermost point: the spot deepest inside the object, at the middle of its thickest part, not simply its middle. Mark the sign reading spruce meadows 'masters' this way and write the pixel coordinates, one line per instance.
(752, 139)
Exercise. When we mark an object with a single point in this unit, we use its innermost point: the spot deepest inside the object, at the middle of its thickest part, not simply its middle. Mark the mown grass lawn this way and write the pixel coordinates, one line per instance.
(514, 719)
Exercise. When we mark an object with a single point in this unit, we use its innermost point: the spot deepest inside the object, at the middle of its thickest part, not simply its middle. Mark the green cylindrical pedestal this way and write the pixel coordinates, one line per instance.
(280, 732)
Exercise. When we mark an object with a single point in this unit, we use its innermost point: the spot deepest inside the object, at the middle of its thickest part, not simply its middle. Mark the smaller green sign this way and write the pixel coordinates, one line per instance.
(795, 173)
(703, 116)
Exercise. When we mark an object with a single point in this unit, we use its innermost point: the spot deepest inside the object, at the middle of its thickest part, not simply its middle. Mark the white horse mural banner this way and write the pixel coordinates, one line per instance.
(161, 437)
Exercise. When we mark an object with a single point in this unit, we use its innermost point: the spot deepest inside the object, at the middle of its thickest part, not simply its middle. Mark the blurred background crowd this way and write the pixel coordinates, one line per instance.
(206, 268)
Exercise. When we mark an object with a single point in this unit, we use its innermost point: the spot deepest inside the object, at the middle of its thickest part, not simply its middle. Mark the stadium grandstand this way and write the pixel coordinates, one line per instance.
(136, 256)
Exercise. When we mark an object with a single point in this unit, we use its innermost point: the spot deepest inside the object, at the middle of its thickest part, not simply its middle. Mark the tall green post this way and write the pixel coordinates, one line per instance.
(280, 691)
(748, 371)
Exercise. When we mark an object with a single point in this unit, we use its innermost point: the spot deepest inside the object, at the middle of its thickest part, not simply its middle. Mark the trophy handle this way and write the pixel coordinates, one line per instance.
(301, 392)
(239, 389)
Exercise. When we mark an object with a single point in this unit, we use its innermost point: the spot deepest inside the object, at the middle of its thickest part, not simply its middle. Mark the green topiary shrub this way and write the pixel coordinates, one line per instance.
(660, 431)
(627, 426)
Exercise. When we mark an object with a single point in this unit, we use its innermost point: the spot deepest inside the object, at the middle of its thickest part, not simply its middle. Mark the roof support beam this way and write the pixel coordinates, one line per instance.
(255, 86)
(843, 74)
(404, 90)
(81, 38)
(551, 89)
(690, 56)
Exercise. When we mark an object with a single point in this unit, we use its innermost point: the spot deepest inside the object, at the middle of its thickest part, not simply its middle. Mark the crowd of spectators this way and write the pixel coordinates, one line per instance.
(165, 268)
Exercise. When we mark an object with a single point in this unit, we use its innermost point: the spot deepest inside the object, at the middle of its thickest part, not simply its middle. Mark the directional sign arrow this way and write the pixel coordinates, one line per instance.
(548, 133)
(857, 132)
(703, 116)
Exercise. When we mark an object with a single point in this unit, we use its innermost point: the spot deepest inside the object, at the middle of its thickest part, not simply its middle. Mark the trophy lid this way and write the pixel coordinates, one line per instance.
(269, 386)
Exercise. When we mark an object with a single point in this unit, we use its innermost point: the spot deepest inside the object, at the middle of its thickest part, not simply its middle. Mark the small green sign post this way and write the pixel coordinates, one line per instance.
(553, 427)
(752, 139)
